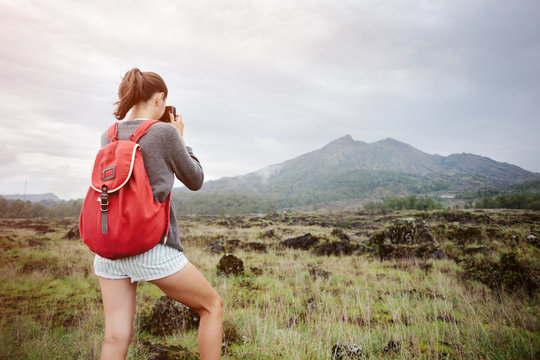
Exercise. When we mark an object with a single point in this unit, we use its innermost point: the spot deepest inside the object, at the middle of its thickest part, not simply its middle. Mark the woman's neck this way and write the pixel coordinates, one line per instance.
(140, 112)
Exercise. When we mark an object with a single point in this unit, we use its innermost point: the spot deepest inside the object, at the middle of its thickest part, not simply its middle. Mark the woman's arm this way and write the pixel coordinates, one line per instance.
(181, 160)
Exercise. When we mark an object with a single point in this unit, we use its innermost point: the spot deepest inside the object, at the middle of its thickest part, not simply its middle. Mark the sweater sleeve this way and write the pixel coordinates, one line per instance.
(181, 160)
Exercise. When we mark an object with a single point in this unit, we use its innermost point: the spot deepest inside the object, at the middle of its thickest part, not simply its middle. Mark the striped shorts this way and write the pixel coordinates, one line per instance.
(156, 263)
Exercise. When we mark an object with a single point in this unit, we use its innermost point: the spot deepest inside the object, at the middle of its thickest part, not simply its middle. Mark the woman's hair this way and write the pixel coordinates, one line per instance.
(137, 86)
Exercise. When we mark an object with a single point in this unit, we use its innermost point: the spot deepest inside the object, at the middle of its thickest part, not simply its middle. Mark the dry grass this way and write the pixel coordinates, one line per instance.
(51, 303)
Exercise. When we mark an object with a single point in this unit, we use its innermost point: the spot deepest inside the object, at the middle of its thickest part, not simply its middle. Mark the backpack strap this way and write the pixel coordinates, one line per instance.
(113, 132)
(142, 129)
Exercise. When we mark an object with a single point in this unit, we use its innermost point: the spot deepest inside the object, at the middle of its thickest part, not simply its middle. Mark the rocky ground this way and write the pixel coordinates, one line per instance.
(347, 285)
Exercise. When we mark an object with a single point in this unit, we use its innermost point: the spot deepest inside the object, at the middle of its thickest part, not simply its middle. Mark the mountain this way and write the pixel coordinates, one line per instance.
(347, 169)
(48, 197)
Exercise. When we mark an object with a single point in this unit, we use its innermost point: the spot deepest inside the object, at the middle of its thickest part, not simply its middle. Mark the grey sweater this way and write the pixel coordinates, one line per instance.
(165, 156)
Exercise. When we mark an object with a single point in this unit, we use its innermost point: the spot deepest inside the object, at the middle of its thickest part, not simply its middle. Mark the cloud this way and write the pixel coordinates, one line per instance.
(261, 82)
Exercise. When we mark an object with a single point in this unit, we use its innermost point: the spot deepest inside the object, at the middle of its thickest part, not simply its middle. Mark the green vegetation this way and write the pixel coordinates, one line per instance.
(529, 201)
(406, 203)
(293, 193)
(520, 196)
(483, 299)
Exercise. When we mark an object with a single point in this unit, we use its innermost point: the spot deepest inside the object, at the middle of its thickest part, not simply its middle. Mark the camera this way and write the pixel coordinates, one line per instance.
(166, 115)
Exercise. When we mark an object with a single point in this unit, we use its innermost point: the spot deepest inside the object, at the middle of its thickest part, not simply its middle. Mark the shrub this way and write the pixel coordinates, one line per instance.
(507, 273)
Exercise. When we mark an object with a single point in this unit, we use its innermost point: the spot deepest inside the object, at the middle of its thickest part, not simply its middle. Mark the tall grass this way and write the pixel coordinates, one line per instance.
(51, 305)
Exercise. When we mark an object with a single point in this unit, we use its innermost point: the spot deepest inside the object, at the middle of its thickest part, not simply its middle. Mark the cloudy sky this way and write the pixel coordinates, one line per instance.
(260, 82)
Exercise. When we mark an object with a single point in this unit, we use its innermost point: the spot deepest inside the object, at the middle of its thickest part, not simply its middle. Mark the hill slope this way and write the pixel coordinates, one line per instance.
(348, 169)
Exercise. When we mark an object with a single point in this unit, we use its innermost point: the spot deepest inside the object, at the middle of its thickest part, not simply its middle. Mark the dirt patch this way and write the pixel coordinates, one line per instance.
(38, 242)
(7, 242)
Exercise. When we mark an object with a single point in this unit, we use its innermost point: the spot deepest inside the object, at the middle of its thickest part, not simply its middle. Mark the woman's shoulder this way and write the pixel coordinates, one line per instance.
(162, 129)
(163, 126)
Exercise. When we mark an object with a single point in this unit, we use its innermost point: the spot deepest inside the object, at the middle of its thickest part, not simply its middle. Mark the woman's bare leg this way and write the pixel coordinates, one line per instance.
(189, 287)
(119, 306)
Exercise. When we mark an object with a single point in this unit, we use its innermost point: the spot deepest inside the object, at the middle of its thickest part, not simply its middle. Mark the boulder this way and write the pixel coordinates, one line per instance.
(256, 246)
(404, 232)
(438, 254)
(270, 233)
(342, 351)
(315, 271)
(335, 248)
(230, 265)
(340, 234)
(255, 270)
(304, 242)
(392, 345)
(231, 245)
(73, 233)
(231, 335)
(216, 247)
(157, 351)
(533, 240)
(42, 229)
(464, 234)
(169, 316)
(405, 238)
(472, 250)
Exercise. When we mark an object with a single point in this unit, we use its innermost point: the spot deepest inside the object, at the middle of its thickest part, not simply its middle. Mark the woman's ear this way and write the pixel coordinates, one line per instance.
(159, 97)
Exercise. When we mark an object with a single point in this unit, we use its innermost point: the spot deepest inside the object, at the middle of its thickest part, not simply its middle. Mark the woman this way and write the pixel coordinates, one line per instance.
(165, 157)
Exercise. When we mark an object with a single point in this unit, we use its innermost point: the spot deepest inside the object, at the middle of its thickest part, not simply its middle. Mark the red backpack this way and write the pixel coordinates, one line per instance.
(119, 216)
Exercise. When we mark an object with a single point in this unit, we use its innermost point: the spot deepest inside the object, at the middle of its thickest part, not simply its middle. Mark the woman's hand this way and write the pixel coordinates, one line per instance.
(178, 124)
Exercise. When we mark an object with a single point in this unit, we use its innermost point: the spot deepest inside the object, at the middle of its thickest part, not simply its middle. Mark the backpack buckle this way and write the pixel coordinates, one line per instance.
(108, 173)
(104, 199)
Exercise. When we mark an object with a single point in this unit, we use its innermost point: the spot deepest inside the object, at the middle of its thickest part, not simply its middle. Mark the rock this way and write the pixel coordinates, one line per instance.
(408, 238)
(216, 247)
(462, 217)
(471, 250)
(158, 351)
(42, 229)
(73, 233)
(393, 345)
(340, 234)
(447, 318)
(304, 242)
(533, 240)
(256, 246)
(231, 245)
(464, 234)
(230, 265)
(315, 271)
(335, 248)
(295, 319)
(407, 232)
(38, 241)
(270, 233)
(438, 254)
(311, 304)
(255, 270)
(342, 351)
(230, 335)
(425, 266)
(169, 316)
(509, 273)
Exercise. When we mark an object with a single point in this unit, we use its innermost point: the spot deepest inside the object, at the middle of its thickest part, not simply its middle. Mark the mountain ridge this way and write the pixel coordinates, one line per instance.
(346, 169)
(47, 197)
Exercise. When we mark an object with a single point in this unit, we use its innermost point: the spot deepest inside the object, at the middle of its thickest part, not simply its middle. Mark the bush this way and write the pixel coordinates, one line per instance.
(508, 273)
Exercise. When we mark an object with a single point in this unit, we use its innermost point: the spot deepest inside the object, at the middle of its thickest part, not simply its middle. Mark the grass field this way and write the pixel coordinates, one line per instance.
(392, 309)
